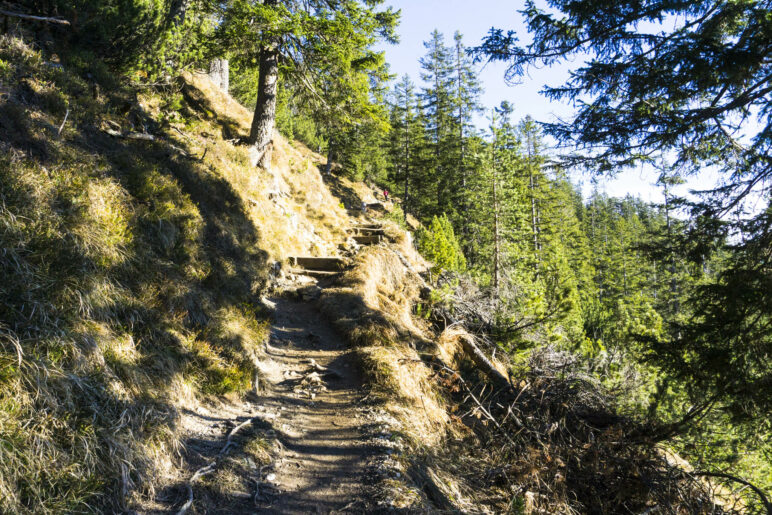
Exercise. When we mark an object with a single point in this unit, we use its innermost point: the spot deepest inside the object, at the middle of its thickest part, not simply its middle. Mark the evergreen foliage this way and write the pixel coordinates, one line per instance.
(155, 37)
(324, 51)
(624, 285)
(695, 86)
(439, 244)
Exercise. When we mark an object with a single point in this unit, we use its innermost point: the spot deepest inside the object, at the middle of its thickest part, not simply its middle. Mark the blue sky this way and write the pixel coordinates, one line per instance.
(473, 20)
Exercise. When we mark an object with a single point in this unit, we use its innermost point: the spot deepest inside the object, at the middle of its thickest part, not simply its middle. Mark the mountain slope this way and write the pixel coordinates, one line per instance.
(138, 346)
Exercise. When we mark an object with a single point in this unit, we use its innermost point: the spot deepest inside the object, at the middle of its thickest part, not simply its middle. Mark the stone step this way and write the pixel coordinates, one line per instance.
(368, 226)
(366, 231)
(326, 264)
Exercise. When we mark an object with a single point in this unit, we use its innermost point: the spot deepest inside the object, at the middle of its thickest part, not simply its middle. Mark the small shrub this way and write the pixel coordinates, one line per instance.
(440, 246)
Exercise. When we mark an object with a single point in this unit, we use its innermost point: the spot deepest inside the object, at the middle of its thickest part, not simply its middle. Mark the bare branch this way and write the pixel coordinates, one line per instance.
(46, 19)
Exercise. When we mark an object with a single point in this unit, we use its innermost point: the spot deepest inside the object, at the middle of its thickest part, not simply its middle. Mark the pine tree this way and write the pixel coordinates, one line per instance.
(315, 42)
(437, 73)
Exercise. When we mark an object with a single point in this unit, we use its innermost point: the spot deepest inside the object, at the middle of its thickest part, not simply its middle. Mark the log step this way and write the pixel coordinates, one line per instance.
(326, 264)
(368, 226)
(368, 240)
(316, 274)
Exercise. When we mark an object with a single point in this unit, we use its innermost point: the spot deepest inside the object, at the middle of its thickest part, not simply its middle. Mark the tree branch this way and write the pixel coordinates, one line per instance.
(46, 19)
(757, 490)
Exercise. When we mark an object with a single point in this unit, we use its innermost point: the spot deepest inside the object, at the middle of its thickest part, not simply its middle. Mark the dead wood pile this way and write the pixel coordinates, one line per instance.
(556, 444)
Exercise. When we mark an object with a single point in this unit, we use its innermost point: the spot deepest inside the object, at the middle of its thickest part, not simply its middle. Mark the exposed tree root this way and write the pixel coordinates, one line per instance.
(213, 466)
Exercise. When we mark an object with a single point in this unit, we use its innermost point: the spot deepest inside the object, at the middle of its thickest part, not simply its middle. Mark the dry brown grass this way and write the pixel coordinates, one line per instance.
(373, 306)
(131, 275)
(135, 274)
(449, 348)
(374, 301)
(294, 210)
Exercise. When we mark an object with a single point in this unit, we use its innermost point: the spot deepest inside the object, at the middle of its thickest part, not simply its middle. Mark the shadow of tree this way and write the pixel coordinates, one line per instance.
(199, 105)
(346, 194)
(194, 251)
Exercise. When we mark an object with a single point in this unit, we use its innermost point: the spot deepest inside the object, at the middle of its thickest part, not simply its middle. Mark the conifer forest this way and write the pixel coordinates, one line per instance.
(235, 242)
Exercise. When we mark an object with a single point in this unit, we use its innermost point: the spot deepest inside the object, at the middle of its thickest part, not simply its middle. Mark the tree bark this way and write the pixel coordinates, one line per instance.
(328, 166)
(477, 356)
(179, 11)
(219, 73)
(406, 202)
(261, 135)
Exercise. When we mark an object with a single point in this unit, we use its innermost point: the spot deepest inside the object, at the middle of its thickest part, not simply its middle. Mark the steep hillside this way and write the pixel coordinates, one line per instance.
(161, 351)
(137, 242)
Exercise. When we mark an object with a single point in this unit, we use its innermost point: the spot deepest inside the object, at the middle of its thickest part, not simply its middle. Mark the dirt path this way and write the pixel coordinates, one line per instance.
(317, 440)
(323, 427)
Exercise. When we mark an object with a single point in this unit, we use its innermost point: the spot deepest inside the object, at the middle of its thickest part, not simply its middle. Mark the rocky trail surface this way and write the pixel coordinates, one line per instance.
(326, 442)
(324, 426)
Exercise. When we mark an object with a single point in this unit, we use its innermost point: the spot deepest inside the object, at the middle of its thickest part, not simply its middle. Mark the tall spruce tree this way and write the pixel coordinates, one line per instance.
(466, 105)
(437, 100)
(406, 139)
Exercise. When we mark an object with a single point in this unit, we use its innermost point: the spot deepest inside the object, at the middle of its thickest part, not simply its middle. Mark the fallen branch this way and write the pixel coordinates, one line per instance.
(141, 136)
(46, 19)
(199, 473)
(483, 363)
(61, 127)
(470, 394)
(212, 466)
(756, 490)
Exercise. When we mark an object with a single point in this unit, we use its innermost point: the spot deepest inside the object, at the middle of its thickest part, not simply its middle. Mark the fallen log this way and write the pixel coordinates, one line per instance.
(46, 19)
(141, 136)
(482, 362)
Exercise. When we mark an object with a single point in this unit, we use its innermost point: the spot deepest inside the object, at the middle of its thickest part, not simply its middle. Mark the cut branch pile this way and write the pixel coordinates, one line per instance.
(556, 444)
(554, 435)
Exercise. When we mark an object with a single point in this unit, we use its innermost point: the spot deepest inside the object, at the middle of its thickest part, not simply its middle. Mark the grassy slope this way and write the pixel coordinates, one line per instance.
(131, 278)
(131, 273)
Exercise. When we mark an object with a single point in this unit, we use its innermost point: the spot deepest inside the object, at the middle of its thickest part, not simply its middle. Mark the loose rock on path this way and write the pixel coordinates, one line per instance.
(327, 441)
(323, 426)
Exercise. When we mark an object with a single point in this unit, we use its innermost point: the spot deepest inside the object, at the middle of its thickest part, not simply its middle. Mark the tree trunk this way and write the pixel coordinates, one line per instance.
(179, 11)
(535, 223)
(406, 201)
(462, 152)
(674, 303)
(437, 150)
(219, 73)
(496, 230)
(483, 363)
(261, 136)
(328, 166)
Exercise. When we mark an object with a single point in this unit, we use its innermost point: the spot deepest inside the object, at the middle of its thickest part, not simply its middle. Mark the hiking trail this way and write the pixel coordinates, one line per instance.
(323, 424)
(327, 442)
